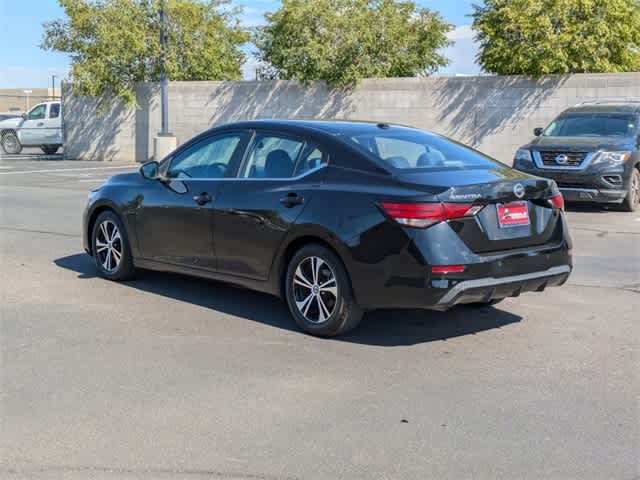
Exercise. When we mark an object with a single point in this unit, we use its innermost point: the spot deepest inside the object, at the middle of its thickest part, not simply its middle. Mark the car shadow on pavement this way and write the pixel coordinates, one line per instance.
(382, 328)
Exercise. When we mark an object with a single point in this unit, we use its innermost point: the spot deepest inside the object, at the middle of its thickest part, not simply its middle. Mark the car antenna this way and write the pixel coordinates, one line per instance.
(382, 125)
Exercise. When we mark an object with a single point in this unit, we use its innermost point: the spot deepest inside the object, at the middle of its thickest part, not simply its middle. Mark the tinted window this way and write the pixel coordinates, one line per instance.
(414, 149)
(271, 156)
(54, 110)
(310, 159)
(209, 158)
(592, 125)
(38, 112)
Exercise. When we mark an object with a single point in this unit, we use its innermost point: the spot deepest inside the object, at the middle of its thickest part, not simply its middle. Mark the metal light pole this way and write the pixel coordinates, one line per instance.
(164, 82)
(53, 87)
(164, 143)
(28, 92)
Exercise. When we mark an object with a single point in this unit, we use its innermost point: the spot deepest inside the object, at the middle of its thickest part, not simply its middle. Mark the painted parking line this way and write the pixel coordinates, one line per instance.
(58, 170)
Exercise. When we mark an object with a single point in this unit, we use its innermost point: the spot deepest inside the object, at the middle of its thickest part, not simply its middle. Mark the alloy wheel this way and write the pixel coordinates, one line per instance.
(315, 289)
(109, 246)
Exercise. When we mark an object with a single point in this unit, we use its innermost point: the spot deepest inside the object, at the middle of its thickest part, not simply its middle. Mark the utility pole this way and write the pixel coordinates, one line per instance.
(164, 82)
(164, 143)
(53, 87)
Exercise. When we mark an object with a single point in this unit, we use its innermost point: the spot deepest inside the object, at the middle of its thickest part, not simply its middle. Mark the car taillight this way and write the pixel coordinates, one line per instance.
(447, 269)
(422, 215)
(557, 201)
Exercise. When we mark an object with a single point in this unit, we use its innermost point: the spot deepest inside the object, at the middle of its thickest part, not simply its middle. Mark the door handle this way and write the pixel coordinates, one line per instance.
(203, 198)
(39, 124)
(291, 199)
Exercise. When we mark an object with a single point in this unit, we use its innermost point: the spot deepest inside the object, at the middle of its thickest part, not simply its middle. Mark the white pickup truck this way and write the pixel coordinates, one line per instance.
(41, 127)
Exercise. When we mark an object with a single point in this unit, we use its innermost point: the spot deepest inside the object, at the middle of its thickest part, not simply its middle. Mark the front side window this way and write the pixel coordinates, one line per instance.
(592, 125)
(38, 112)
(418, 150)
(209, 158)
(271, 156)
(54, 110)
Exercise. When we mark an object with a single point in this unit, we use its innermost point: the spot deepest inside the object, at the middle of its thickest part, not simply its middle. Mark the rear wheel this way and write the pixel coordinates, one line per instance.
(49, 149)
(10, 143)
(110, 246)
(319, 294)
(632, 201)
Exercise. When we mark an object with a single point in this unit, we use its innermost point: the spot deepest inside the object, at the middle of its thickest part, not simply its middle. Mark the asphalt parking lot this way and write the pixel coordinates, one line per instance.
(179, 378)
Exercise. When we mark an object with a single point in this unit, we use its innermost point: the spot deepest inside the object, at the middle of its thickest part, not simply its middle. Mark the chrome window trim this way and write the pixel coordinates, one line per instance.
(225, 179)
(585, 163)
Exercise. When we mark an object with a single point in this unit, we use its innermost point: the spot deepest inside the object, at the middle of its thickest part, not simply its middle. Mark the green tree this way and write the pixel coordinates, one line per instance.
(537, 37)
(116, 43)
(342, 41)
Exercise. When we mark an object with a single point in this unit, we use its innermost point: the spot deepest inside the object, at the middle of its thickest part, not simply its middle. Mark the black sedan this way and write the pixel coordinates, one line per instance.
(335, 217)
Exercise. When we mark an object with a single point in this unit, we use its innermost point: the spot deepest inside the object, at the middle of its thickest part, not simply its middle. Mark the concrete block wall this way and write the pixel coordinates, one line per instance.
(493, 114)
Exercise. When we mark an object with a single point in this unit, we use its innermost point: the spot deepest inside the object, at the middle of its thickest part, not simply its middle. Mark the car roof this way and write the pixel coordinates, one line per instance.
(332, 127)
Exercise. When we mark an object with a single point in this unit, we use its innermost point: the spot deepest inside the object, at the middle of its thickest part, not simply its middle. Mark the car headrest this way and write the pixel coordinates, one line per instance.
(430, 159)
(278, 165)
(398, 162)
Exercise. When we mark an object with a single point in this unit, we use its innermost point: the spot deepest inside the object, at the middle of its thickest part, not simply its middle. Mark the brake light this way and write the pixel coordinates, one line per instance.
(557, 201)
(447, 269)
(422, 215)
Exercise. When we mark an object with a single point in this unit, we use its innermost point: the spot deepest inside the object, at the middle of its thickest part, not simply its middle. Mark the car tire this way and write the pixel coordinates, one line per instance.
(318, 292)
(50, 149)
(111, 248)
(10, 143)
(632, 201)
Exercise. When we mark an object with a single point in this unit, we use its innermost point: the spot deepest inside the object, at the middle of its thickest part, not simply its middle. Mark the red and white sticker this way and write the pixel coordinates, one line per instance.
(513, 214)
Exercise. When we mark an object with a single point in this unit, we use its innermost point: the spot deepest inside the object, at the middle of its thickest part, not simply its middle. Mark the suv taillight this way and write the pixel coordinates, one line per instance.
(422, 215)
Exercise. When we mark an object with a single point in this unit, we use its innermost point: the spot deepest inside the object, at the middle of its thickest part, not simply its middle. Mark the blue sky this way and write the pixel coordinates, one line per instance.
(24, 64)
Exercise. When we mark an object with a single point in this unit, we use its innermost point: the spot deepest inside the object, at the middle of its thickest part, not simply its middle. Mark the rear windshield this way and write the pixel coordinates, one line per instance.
(592, 125)
(415, 149)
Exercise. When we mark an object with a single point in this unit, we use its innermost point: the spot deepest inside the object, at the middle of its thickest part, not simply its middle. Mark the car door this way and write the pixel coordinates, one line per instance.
(32, 131)
(174, 219)
(254, 211)
(52, 128)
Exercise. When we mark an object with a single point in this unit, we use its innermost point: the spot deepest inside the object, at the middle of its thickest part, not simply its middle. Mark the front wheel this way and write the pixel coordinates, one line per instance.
(110, 246)
(632, 201)
(10, 143)
(319, 294)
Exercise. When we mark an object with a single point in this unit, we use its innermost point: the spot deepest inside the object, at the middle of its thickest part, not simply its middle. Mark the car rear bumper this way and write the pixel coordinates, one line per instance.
(490, 288)
(598, 195)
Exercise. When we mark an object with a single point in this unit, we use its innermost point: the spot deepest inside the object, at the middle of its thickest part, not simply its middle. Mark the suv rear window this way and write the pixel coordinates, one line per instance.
(418, 150)
(592, 125)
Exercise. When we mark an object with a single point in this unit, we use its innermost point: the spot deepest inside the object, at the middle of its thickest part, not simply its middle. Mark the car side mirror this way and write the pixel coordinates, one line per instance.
(24, 116)
(538, 131)
(150, 170)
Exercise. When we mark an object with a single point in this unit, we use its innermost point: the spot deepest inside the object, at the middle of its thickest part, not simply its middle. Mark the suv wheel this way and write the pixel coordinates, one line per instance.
(10, 143)
(631, 203)
(319, 294)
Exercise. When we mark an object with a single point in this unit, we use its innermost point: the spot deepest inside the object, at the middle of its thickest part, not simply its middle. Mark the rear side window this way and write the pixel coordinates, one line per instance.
(417, 150)
(54, 110)
(312, 157)
(271, 156)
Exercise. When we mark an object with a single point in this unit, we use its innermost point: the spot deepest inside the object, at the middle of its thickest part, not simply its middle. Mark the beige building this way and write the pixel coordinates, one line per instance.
(22, 99)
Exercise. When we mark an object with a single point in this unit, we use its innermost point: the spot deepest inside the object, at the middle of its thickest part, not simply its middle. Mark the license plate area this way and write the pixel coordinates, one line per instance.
(513, 214)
